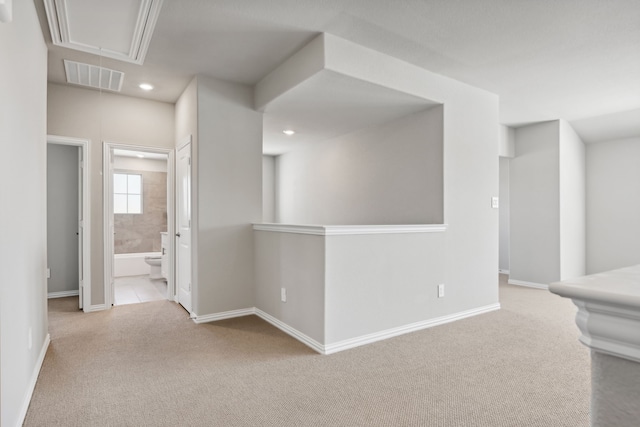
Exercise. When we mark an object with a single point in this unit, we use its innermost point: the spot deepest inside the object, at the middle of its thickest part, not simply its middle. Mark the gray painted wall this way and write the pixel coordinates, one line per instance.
(62, 217)
(507, 142)
(469, 253)
(503, 260)
(269, 188)
(547, 199)
(295, 262)
(470, 164)
(23, 247)
(228, 156)
(98, 117)
(613, 204)
(389, 174)
(344, 287)
(384, 281)
(535, 204)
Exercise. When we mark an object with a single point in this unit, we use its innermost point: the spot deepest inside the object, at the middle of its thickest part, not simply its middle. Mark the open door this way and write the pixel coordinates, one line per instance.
(107, 167)
(80, 227)
(183, 221)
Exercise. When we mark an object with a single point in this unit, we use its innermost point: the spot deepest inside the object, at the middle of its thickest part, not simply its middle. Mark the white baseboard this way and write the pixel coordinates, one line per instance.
(501, 271)
(528, 284)
(371, 338)
(96, 307)
(63, 294)
(305, 339)
(32, 381)
(401, 330)
(352, 342)
(224, 315)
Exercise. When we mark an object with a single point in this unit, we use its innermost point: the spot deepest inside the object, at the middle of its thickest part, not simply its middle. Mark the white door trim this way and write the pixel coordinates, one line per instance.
(108, 215)
(85, 281)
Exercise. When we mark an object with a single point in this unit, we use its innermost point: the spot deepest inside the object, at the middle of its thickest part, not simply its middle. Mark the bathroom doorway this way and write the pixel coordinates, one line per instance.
(138, 188)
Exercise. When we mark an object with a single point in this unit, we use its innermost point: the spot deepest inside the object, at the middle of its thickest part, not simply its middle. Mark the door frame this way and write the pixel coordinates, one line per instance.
(107, 190)
(84, 288)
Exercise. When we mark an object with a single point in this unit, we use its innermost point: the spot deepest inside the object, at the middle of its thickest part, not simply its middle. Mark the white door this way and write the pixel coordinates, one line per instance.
(183, 219)
(80, 227)
(109, 224)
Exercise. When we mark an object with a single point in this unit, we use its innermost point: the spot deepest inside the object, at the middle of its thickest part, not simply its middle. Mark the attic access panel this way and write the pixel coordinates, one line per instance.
(118, 29)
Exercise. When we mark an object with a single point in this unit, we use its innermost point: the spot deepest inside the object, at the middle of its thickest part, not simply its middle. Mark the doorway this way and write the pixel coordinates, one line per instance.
(138, 203)
(68, 225)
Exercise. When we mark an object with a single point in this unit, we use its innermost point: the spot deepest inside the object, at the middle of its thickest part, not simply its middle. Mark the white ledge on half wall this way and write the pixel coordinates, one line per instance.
(342, 230)
(608, 310)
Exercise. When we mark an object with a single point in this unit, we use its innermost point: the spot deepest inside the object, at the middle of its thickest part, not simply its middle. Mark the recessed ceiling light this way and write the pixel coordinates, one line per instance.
(145, 86)
(140, 156)
(288, 132)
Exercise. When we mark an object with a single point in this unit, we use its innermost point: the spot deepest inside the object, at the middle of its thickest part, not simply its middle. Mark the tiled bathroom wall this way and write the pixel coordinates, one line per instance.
(135, 233)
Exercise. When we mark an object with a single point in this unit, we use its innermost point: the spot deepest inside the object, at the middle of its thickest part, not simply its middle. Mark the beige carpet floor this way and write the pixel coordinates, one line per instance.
(149, 365)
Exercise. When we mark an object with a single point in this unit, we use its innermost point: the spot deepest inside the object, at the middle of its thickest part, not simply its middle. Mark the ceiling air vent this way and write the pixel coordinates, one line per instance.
(93, 76)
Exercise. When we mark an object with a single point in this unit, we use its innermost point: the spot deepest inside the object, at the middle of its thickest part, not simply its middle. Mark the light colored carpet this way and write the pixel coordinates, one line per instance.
(149, 365)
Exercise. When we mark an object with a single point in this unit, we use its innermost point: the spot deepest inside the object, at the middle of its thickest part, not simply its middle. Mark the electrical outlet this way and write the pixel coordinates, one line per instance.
(48, 273)
(495, 202)
(441, 291)
(283, 294)
(30, 339)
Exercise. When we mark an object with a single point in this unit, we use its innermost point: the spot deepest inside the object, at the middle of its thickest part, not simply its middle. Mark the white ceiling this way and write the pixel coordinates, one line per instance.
(546, 59)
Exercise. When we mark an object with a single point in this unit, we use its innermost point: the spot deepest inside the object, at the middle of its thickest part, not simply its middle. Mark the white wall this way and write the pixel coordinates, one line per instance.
(23, 247)
(88, 114)
(228, 158)
(572, 203)
(389, 174)
(535, 204)
(613, 204)
(62, 217)
(137, 164)
(269, 188)
(503, 259)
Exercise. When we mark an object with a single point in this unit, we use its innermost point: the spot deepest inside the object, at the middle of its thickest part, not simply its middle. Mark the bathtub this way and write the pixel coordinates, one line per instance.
(132, 264)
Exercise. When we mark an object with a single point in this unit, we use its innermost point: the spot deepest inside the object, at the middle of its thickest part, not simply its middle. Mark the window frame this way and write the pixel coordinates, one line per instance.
(127, 194)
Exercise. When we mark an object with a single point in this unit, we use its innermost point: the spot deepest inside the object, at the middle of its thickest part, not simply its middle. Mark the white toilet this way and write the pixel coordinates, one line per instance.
(154, 263)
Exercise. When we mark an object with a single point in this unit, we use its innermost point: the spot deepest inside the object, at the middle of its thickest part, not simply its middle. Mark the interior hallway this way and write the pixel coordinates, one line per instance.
(150, 365)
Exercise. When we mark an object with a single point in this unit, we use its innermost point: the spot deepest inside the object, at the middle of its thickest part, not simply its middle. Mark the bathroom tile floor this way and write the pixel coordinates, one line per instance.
(137, 289)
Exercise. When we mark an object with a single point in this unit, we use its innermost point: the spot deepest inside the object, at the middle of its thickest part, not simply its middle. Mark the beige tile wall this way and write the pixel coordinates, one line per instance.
(135, 233)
